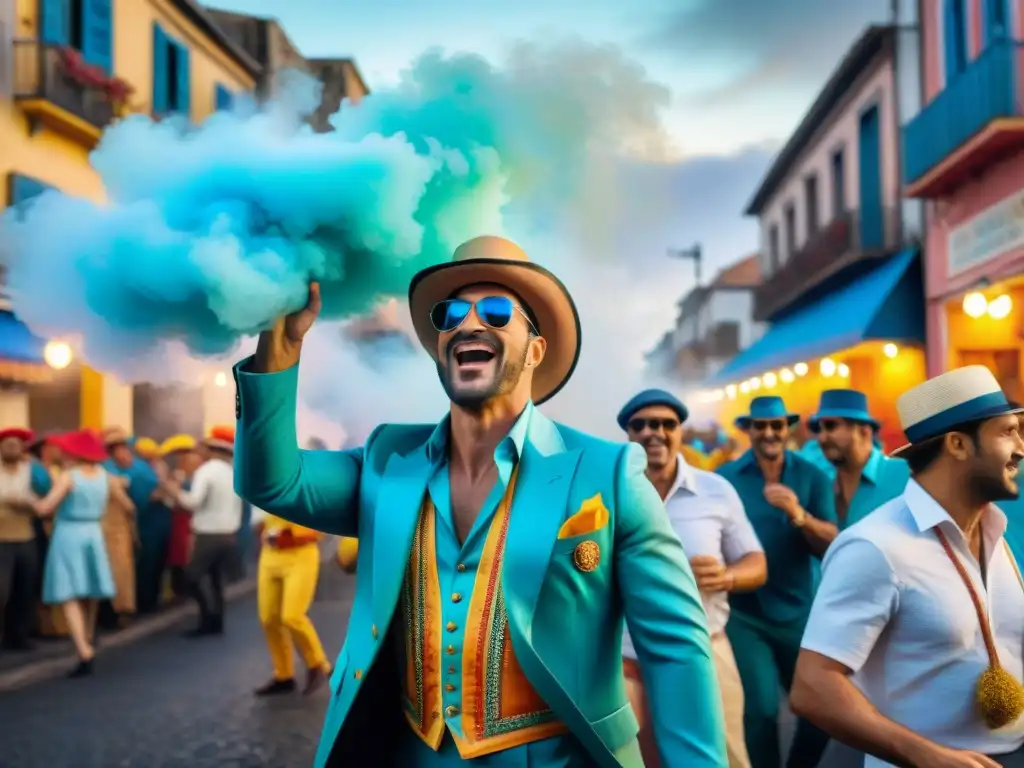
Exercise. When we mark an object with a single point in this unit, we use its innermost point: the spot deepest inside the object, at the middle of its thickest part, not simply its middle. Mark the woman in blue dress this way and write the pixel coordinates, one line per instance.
(77, 572)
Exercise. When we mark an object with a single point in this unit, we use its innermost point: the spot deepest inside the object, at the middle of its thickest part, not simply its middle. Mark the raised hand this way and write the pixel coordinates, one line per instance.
(279, 348)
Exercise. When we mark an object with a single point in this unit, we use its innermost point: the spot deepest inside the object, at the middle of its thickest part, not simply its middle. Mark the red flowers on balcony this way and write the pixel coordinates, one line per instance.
(116, 90)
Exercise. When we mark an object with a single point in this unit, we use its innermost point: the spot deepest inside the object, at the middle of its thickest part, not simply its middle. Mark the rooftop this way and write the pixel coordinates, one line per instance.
(197, 14)
(745, 273)
(873, 42)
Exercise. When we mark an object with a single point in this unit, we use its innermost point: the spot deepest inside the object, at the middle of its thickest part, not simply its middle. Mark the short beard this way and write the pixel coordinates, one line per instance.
(991, 489)
(505, 381)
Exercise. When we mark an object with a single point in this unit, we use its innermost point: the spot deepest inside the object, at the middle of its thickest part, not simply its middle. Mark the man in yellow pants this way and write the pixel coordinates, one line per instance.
(288, 571)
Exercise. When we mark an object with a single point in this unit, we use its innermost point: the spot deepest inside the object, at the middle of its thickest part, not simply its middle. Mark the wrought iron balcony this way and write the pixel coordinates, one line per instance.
(51, 95)
(974, 121)
(844, 241)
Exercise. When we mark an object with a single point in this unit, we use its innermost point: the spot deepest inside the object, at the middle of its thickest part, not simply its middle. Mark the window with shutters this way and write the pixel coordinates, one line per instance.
(85, 25)
(223, 98)
(22, 189)
(171, 75)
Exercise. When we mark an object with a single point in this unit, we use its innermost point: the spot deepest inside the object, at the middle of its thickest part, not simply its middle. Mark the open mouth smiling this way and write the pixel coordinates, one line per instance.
(473, 354)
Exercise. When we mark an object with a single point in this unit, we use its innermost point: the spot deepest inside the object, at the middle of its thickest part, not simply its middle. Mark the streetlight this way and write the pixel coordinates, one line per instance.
(694, 253)
(57, 354)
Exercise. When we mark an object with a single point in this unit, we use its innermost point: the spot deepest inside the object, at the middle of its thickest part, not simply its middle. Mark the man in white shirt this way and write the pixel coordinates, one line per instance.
(726, 556)
(921, 604)
(216, 518)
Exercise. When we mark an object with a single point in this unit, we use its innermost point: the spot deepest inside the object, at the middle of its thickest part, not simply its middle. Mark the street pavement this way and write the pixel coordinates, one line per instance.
(170, 702)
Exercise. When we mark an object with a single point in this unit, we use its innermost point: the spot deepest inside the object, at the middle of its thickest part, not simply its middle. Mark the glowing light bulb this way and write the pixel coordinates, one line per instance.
(843, 370)
(786, 375)
(975, 304)
(57, 354)
(890, 350)
(719, 394)
(745, 387)
(769, 380)
(1000, 307)
(755, 384)
(800, 369)
(221, 380)
(827, 367)
(730, 391)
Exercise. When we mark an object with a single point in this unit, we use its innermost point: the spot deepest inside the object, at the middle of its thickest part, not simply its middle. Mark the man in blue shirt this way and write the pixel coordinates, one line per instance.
(789, 502)
(863, 477)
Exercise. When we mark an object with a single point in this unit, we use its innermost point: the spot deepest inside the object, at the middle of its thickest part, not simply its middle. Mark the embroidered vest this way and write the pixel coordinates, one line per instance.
(500, 709)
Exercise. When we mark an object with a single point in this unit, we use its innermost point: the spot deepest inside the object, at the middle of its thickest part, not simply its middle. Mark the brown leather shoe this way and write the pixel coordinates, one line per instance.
(315, 678)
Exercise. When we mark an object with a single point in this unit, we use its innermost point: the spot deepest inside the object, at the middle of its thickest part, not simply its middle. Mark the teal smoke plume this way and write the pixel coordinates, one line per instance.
(209, 232)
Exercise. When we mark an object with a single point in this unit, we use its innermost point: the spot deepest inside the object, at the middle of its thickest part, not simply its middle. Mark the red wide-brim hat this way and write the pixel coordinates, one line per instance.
(25, 435)
(84, 445)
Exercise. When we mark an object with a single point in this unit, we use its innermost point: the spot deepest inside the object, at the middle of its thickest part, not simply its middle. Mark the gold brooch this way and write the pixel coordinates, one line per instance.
(587, 556)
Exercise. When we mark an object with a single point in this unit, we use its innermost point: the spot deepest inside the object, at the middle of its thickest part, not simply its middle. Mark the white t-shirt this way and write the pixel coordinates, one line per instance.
(215, 506)
(892, 607)
(708, 517)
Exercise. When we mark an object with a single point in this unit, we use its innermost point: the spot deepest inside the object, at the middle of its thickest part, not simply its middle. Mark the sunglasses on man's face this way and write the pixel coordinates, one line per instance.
(493, 311)
(774, 425)
(829, 425)
(655, 425)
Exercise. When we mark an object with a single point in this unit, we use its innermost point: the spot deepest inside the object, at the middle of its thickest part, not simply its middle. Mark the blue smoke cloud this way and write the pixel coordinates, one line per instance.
(209, 232)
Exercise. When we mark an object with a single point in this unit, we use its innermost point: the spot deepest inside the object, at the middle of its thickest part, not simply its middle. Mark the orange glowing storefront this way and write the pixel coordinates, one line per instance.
(866, 335)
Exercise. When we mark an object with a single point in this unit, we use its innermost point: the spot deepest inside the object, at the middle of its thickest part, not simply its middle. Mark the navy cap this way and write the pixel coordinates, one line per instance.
(650, 397)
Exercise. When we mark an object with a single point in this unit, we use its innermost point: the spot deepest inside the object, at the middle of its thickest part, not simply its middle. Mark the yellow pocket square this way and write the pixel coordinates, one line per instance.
(592, 516)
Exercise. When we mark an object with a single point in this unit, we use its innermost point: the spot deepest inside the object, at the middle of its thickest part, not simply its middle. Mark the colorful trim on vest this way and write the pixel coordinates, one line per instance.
(500, 709)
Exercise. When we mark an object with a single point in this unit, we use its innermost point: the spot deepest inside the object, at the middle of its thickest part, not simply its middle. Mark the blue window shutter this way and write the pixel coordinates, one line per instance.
(955, 34)
(25, 188)
(161, 73)
(994, 21)
(55, 18)
(97, 45)
(223, 98)
(184, 76)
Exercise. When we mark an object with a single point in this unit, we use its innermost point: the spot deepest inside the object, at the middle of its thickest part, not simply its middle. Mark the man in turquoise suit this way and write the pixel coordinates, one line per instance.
(499, 551)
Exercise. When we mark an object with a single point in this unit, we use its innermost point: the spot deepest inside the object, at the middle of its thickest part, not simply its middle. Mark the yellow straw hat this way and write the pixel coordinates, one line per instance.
(176, 444)
(147, 447)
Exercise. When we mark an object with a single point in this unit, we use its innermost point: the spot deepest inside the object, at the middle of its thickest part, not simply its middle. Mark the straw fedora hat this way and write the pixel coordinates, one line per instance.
(221, 438)
(490, 259)
(940, 405)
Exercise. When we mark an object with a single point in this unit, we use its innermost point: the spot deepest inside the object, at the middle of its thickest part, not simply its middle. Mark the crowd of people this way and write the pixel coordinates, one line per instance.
(755, 531)
(98, 528)
(502, 556)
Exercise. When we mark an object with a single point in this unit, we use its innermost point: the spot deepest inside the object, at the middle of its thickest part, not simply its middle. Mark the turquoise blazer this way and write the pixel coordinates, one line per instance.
(565, 624)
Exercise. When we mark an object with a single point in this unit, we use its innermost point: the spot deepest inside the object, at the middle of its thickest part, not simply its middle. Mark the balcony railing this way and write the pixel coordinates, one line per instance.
(988, 89)
(41, 83)
(849, 238)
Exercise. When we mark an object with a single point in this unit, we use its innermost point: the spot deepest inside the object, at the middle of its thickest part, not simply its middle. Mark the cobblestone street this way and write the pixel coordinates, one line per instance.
(168, 702)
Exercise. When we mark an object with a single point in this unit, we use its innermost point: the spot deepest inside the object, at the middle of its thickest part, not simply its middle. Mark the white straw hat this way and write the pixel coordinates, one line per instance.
(956, 397)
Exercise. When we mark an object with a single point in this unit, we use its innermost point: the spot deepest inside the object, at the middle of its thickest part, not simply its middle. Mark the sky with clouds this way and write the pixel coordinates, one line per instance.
(741, 74)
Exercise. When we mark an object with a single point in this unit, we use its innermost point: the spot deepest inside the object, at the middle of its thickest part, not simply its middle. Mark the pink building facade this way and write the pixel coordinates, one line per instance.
(964, 157)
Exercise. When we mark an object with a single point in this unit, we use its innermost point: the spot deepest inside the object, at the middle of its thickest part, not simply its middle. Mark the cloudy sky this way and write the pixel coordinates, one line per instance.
(741, 75)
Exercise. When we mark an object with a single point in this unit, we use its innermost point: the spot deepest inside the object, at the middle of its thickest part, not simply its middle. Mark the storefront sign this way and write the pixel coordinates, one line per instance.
(992, 232)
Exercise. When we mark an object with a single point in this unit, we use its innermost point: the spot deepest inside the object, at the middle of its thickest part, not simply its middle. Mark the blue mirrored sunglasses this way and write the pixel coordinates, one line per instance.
(493, 311)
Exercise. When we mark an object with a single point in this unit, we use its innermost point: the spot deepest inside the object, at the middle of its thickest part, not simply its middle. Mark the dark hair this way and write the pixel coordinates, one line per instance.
(534, 329)
(922, 457)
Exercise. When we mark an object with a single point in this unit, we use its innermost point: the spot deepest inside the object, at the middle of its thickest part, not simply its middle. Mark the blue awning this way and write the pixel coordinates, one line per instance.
(886, 303)
(17, 343)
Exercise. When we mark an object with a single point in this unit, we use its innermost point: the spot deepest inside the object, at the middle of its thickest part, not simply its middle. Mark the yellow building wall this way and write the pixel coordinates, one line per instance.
(64, 164)
(133, 55)
(883, 379)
